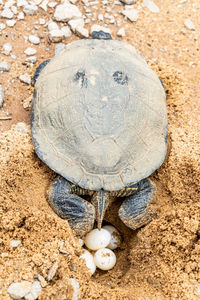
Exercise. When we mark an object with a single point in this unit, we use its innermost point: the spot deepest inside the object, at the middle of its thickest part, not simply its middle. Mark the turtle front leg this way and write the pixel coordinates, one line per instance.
(78, 212)
(136, 209)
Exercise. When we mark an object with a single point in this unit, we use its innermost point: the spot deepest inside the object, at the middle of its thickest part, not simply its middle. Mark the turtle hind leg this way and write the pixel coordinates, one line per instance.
(39, 70)
(136, 209)
(79, 213)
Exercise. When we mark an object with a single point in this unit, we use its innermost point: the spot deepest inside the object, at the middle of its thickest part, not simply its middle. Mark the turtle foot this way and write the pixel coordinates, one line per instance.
(136, 209)
(79, 213)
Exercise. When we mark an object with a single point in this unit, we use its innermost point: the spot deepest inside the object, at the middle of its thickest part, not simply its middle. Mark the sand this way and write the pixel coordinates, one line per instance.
(158, 261)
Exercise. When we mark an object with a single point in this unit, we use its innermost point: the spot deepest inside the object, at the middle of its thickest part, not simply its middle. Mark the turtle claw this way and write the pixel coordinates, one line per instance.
(136, 209)
(79, 213)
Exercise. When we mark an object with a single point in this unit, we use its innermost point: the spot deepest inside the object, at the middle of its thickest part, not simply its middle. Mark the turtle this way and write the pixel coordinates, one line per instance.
(99, 120)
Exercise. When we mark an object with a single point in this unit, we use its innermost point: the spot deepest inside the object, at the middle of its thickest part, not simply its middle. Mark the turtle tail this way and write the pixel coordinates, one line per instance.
(100, 200)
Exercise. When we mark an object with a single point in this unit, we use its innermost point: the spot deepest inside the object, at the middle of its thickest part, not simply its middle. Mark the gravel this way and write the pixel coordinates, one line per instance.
(189, 24)
(30, 51)
(7, 13)
(25, 78)
(4, 67)
(131, 14)
(66, 12)
(7, 48)
(151, 6)
(34, 39)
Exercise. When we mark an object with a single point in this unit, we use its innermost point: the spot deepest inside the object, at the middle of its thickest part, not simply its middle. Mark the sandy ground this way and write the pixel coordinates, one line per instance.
(159, 261)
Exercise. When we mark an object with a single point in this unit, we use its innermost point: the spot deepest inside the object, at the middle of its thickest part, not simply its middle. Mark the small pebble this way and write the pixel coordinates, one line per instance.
(35, 291)
(97, 27)
(43, 5)
(20, 16)
(121, 32)
(74, 282)
(1, 96)
(30, 51)
(66, 31)
(18, 290)
(2, 26)
(30, 9)
(104, 259)
(7, 48)
(7, 13)
(89, 261)
(11, 23)
(66, 12)
(52, 26)
(15, 243)
(34, 39)
(25, 78)
(52, 271)
(97, 239)
(4, 67)
(129, 2)
(131, 14)
(115, 237)
(189, 24)
(150, 5)
(56, 35)
(31, 59)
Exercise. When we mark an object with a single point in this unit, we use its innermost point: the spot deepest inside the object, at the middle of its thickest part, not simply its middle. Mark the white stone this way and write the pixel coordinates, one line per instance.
(43, 5)
(35, 291)
(4, 67)
(82, 32)
(121, 32)
(56, 35)
(75, 23)
(52, 271)
(66, 31)
(31, 59)
(66, 12)
(104, 259)
(189, 24)
(74, 282)
(1, 96)
(34, 39)
(89, 261)
(2, 26)
(100, 17)
(97, 28)
(131, 14)
(20, 16)
(52, 26)
(97, 239)
(25, 78)
(30, 51)
(15, 243)
(42, 21)
(14, 9)
(115, 237)
(10, 23)
(52, 4)
(19, 289)
(21, 3)
(9, 3)
(30, 9)
(7, 48)
(150, 5)
(7, 13)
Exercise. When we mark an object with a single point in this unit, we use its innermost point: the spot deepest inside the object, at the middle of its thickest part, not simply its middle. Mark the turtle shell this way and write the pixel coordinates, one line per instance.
(99, 115)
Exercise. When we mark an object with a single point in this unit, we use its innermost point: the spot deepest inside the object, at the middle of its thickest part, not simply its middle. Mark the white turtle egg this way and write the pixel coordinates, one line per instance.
(115, 237)
(89, 261)
(97, 239)
(104, 259)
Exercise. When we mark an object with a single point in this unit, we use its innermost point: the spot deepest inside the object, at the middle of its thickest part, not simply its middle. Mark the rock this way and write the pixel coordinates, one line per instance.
(151, 6)
(189, 24)
(25, 78)
(52, 4)
(52, 271)
(21, 3)
(82, 32)
(4, 67)
(58, 48)
(18, 290)
(15, 243)
(75, 23)
(20, 16)
(74, 282)
(121, 32)
(100, 17)
(43, 5)
(129, 2)
(30, 9)
(35, 291)
(7, 13)
(42, 21)
(97, 28)
(7, 48)
(1, 96)
(34, 39)
(43, 282)
(14, 9)
(11, 23)
(66, 12)
(131, 14)
(52, 26)
(2, 26)
(30, 51)
(197, 290)
(56, 35)
(31, 59)
(66, 31)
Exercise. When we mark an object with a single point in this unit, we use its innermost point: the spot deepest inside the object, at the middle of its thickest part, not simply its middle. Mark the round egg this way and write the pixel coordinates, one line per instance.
(97, 239)
(89, 261)
(115, 237)
(104, 259)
